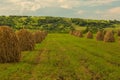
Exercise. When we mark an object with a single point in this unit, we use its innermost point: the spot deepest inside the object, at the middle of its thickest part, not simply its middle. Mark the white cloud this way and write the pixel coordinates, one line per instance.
(33, 5)
(80, 12)
(27, 6)
(97, 2)
(69, 4)
(115, 10)
(112, 11)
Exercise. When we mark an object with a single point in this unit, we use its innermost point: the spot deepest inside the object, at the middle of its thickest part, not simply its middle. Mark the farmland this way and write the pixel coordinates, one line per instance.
(66, 57)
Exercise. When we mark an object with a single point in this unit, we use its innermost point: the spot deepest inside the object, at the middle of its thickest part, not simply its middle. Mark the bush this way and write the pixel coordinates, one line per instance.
(9, 47)
(99, 36)
(89, 35)
(109, 37)
(26, 40)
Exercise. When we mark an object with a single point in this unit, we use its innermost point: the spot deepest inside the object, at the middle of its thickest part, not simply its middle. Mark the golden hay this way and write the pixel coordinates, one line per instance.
(38, 36)
(26, 40)
(76, 33)
(89, 35)
(118, 32)
(44, 34)
(109, 37)
(104, 32)
(79, 34)
(99, 36)
(9, 47)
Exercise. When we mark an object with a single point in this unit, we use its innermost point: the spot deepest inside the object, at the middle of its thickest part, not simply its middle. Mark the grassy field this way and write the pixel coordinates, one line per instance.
(66, 57)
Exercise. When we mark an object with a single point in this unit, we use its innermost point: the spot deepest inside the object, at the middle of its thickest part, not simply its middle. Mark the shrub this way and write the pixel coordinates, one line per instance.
(109, 37)
(89, 35)
(99, 36)
(9, 47)
(26, 40)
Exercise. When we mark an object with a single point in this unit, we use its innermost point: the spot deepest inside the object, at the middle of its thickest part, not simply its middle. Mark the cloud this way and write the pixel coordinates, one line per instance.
(33, 5)
(75, 8)
(97, 2)
(115, 10)
(111, 11)
(80, 12)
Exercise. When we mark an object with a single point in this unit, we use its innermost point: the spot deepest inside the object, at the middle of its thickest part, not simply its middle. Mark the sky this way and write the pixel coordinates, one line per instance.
(87, 9)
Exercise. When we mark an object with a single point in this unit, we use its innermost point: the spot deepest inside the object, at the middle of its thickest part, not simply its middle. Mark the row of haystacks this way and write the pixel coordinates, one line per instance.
(12, 43)
(106, 36)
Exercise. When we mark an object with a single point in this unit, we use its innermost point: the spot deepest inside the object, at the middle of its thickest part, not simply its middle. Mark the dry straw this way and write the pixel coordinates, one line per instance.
(89, 35)
(100, 36)
(109, 37)
(44, 34)
(9, 47)
(38, 36)
(118, 32)
(76, 33)
(26, 40)
(79, 34)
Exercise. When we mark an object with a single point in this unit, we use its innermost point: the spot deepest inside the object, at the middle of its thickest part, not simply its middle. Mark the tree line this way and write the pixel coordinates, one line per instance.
(54, 24)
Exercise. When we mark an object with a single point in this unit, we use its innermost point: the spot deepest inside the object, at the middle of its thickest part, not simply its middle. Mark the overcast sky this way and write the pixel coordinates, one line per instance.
(91, 9)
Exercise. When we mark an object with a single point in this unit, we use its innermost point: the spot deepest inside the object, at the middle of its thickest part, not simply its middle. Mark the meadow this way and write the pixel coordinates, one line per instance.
(66, 57)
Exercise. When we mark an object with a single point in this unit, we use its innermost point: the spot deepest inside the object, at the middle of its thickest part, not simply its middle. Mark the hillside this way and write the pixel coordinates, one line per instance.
(56, 24)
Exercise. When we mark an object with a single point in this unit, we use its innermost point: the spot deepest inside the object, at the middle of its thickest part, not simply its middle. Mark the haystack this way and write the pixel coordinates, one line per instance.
(89, 35)
(44, 34)
(104, 32)
(26, 40)
(76, 33)
(80, 34)
(9, 47)
(99, 36)
(109, 37)
(38, 36)
(118, 32)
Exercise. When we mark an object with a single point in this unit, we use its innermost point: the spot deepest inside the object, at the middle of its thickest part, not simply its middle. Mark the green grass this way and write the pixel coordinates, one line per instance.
(66, 57)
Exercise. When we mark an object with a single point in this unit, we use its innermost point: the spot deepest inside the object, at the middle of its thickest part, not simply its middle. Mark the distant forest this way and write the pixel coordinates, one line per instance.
(55, 24)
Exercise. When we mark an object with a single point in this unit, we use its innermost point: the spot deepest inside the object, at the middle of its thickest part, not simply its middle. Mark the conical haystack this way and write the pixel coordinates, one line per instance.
(26, 40)
(38, 36)
(80, 34)
(9, 47)
(99, 36)
(89, 35)
(118, 32)
(44, 34)
(109, 37)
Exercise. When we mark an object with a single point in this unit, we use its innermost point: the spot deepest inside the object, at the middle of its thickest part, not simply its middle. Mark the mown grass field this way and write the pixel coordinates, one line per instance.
(66, 57)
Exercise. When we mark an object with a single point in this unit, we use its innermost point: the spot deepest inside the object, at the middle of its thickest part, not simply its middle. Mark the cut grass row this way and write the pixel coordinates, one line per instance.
(66, 57)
